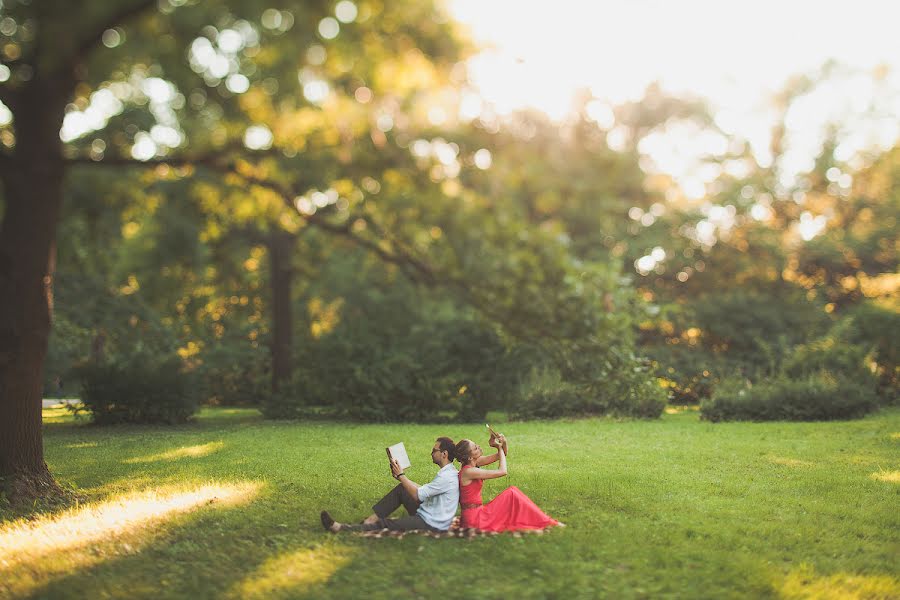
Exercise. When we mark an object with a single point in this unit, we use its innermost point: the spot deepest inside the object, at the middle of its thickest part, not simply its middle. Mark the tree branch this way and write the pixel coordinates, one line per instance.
(120, 16)
(208, 159)
(414, 268)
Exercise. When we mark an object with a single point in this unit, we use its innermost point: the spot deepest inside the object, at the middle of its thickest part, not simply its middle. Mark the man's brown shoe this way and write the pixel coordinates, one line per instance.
(328, 523)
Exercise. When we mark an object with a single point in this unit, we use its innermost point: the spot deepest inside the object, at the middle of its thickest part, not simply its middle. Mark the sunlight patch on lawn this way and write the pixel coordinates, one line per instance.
(56, 414)
(33, 552)
(805, 583)
(789, 462)
(82, 445)
(185, 452)
(896, 436)
(293, 573)
(678, 409)
(888, 476)
(859, 459)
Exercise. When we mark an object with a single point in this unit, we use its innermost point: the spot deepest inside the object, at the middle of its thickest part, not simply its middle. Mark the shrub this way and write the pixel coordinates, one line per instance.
(391, 389)
(877, 328)
(630, 394)
(289, 402)
(757, 330)
(842, 360)
(819, 397)
(545, 395)
(628, 389)
(690, 373)
(140, 389)
(378, 367)
(233, 374)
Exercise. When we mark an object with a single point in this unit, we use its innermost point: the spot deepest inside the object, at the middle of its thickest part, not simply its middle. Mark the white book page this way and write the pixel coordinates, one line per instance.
(398, 451)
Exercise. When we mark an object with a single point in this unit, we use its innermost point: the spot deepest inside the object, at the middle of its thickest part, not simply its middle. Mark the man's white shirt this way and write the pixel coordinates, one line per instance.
(440, 498)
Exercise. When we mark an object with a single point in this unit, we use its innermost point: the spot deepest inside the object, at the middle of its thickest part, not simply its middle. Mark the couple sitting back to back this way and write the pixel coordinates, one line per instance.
(432, 506)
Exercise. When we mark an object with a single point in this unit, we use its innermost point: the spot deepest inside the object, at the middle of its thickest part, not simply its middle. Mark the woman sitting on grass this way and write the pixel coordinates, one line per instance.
(511, 510)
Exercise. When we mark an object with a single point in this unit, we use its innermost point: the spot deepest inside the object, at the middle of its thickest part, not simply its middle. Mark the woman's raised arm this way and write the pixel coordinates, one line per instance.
(494, 443)
(477, 473)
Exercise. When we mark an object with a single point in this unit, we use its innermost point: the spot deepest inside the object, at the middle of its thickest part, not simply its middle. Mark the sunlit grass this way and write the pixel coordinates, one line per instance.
(293, 572)
(789, 462)
(32, 552)
(804, 584)
(57, 414)
(185, 452)
(887, 476)
(674, 508)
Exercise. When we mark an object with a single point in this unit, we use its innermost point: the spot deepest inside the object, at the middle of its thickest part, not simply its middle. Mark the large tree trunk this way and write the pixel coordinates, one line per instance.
(32, 191)
(281, 246)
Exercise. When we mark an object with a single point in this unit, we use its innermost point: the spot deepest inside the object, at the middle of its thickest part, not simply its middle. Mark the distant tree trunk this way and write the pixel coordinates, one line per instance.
(32, 190)
(98, 347)
(281, 246)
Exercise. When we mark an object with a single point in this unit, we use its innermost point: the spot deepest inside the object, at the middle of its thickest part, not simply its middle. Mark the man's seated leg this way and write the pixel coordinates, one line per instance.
(393, 500)
(402, 524)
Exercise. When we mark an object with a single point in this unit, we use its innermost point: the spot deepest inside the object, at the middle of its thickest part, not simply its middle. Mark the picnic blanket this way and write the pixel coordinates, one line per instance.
(455, 531)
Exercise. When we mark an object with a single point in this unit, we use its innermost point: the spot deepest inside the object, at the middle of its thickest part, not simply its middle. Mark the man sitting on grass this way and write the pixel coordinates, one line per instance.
(431, 506)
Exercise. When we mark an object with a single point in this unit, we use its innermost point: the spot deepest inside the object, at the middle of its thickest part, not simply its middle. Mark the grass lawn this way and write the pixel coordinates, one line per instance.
(227, 507)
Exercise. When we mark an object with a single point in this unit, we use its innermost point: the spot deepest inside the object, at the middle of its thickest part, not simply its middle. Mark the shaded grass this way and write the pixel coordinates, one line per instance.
(668, 508)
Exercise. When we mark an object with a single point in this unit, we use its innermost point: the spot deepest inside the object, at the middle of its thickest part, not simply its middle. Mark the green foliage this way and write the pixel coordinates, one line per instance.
(92, 321)
(416, 373)
(290, 401)
(232, 373)
(546, 395)
(377, 347)
(876, 328)
(757, 330)
(842, 360)
(690, 373)
(69, 345)
(820, 397)
(139, 389)
(627, 393)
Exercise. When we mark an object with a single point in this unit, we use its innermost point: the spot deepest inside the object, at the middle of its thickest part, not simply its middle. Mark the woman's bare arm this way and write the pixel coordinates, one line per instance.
(495, 443)
(476, 473)
(486, 460)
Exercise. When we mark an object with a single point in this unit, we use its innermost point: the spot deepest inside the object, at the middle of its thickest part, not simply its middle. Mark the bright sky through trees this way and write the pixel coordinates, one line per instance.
(735, 54)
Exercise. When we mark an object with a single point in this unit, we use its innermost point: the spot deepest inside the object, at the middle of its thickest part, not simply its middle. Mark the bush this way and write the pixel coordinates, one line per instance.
(820, 397)
(289, 402)
(545, 395)
(631, 393)
(690, 373)
(877, 328)
(389, 390)
(844, 361)
(379, 366)
(140, 389)
(233, 374)
(757, 330)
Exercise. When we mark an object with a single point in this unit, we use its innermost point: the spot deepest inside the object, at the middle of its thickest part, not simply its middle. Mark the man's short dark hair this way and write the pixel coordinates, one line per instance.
(447, 445)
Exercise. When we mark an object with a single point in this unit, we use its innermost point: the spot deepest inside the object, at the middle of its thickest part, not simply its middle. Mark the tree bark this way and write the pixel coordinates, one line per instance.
(32, 190)
(281, 246)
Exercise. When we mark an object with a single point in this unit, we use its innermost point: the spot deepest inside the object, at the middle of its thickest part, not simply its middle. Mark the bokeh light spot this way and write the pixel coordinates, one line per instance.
(329, 28)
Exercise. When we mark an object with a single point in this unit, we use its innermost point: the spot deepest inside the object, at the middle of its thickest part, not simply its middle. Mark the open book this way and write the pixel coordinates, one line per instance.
(398, 452)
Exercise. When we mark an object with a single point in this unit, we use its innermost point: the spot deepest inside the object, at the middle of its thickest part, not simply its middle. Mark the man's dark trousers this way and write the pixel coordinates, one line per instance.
(393, 500)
